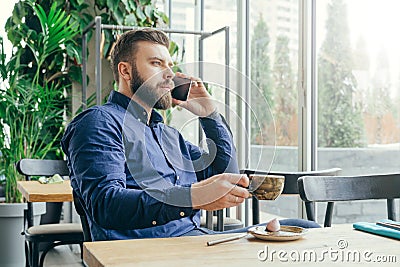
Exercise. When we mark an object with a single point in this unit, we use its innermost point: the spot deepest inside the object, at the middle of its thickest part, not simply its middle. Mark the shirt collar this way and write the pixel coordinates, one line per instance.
(134, 108)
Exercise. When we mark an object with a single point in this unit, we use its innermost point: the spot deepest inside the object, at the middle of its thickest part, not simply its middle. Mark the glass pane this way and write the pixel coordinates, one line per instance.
(358, 90)
(217, 15)
(274, 56)
(274, 125)
(358, 85)
(183, 18)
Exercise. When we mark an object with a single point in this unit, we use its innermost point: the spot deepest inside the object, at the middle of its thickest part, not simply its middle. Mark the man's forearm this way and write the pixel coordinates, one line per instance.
(218, 131)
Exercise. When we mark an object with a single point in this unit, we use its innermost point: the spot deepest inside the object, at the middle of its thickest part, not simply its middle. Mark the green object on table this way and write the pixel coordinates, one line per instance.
(378, 229)
(55, 179)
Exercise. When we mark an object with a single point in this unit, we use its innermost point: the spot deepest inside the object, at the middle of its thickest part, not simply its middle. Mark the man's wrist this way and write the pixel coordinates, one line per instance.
(213, 115)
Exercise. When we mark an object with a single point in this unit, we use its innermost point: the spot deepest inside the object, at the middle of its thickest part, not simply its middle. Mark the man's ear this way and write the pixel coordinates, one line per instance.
(124, 70)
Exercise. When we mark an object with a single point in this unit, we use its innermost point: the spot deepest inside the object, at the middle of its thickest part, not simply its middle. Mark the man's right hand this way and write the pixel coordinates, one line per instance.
(220, 191)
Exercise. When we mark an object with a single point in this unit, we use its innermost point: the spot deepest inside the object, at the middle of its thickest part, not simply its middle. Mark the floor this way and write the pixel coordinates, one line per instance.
(63, 256)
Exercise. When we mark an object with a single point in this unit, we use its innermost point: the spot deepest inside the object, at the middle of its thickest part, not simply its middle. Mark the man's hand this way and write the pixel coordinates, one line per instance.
(220, 191)
(199, 102)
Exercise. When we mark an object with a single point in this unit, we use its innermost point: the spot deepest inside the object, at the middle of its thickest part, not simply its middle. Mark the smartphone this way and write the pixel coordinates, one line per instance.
(182, 88)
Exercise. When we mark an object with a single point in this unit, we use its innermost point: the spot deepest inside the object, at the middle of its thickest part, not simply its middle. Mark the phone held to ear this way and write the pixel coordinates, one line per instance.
(182, 88)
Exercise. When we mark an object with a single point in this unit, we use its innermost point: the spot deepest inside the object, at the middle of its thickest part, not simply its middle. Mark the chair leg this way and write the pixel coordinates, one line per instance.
(391, 210)
(27, 255)
(81, 246)
(328, 214)
(44, 253)
(255, 210)
(35, 254)
(310, 210)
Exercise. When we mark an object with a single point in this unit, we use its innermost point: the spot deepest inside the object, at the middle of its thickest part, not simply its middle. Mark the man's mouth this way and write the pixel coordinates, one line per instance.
(167, 86)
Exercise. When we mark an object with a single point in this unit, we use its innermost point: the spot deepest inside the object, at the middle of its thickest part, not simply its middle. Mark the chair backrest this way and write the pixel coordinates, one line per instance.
(290, 186)
(41, 167)
(79, 207)
(44, 167)
(346, 188)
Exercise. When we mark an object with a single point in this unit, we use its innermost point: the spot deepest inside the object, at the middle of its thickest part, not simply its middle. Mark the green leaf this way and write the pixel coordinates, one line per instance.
(173, 48)
(164, 17)
(73, 52)
(131, 20)
(112, 5)
(82, 7)
(75, 73)
(141, 16)
(127, 5)
(101, 3)
(119, 16)
(133, 5)
(145, 2)
(149, 11)
(109, 39)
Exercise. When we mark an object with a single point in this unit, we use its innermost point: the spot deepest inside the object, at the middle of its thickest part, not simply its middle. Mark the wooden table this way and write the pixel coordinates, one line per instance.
(33, 191)
(324, 243)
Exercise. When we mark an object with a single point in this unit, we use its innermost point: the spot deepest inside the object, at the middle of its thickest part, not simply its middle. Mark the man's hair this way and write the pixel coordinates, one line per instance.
(127, 45)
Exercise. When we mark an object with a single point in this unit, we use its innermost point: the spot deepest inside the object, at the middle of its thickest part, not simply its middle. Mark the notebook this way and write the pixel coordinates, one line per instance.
(378, 229)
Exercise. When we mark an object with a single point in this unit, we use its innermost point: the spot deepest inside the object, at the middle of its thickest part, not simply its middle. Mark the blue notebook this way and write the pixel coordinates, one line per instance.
(377, 229)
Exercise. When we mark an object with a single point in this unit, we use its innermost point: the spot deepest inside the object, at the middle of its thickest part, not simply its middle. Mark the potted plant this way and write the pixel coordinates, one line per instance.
(32, 109)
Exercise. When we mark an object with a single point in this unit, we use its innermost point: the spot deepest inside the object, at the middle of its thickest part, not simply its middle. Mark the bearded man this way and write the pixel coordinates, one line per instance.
(136, 176)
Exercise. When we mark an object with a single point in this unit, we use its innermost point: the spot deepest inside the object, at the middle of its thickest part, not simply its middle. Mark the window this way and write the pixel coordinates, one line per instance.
(358, 90)
(273, 72)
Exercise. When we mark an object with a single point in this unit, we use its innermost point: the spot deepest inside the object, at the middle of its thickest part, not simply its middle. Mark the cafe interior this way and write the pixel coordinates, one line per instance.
(310, 90)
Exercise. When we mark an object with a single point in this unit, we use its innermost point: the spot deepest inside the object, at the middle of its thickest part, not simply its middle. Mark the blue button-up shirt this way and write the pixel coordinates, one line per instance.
(135, 178)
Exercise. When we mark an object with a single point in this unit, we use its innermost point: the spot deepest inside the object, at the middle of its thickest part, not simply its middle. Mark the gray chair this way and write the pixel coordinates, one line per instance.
(227, 222)
(346, 188)
(51, 234)
(290, 187)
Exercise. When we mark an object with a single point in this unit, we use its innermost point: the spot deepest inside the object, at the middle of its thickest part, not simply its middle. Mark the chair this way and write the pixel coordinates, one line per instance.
(79, 207)
(290, 187)
(346, 188)
(52, 234)
(219, 221)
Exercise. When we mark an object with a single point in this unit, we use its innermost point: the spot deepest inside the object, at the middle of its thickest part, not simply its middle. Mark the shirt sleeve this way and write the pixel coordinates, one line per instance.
(220, 156)
(95, 149)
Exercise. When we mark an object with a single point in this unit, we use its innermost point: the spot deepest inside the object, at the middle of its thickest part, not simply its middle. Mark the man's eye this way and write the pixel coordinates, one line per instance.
(158, 63)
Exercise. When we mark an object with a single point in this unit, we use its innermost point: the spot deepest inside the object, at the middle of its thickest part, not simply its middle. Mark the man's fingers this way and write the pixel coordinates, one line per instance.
(237, 179)
(240, 192)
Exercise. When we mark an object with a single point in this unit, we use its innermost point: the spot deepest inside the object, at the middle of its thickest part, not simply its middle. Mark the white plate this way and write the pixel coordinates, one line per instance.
(287, 233)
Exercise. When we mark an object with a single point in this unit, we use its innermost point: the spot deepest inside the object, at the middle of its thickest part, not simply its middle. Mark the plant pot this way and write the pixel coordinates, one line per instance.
(12, 252)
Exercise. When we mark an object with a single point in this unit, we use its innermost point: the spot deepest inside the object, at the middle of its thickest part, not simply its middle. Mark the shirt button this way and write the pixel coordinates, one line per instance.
(144, 113)
(177, 177)
(139, 120)
(182, 213)
(153, 222)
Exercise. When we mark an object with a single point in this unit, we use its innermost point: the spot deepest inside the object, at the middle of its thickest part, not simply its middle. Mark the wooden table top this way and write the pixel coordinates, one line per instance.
(33, 191)
(339, 245)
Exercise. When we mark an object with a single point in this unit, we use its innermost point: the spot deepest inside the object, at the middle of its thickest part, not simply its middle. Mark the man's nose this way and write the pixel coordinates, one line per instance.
(168, 73)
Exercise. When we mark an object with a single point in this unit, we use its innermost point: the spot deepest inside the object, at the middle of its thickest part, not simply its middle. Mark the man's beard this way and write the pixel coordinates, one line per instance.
(148, 93)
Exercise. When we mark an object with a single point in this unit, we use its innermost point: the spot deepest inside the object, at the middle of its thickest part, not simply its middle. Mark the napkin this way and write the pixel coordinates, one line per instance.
(377, 229)
(55, 179)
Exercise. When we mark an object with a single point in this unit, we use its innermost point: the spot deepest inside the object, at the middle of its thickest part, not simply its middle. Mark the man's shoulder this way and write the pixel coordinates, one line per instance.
(97, 117)
(96, 113)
